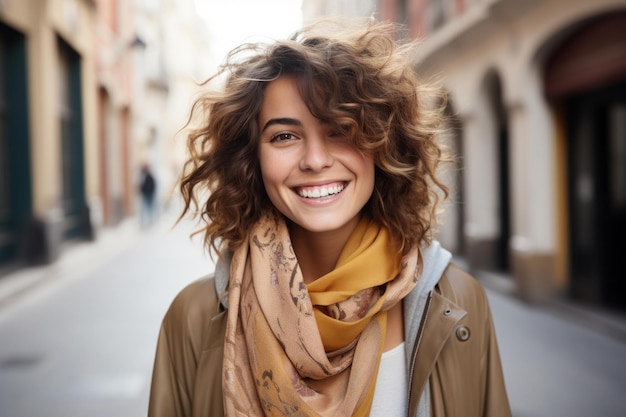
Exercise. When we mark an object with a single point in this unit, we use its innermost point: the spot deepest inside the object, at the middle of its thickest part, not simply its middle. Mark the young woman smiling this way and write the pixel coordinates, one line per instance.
(330, 297)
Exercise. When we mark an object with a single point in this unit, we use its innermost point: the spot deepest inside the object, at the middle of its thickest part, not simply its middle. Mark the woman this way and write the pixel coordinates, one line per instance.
(330, 297)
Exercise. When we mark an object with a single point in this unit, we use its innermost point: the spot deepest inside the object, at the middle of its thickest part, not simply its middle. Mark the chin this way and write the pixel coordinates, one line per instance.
(322, 225)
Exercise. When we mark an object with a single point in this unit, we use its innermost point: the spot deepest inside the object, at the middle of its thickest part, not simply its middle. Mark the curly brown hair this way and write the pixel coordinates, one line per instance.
(357, 77)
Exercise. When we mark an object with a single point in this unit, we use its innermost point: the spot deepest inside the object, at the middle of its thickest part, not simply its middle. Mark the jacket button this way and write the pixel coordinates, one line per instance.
(462, 333)
(447, 312)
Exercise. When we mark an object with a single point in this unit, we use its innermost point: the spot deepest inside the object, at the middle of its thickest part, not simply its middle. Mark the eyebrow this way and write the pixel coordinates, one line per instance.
(282, 121)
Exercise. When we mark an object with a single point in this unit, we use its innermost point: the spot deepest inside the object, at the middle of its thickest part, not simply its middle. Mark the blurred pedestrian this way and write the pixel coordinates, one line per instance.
(315, 171)
(147, 189)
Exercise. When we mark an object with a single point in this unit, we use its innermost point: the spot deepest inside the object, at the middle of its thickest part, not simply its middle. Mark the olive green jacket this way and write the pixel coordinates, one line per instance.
(454, 363)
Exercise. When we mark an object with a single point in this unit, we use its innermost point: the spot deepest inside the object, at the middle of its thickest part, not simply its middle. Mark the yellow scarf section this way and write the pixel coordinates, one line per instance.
(369, 260)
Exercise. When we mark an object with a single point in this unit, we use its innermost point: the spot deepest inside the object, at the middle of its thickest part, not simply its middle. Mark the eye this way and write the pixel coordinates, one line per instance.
(283, 137)
(338, 132)
(338, 135)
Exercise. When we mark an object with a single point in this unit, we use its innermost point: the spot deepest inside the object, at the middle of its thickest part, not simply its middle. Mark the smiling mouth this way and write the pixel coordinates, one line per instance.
(320, 192)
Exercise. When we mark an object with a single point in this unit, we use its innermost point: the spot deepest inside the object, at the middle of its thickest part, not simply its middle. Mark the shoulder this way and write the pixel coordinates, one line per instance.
(191, 311)
(462, 288)
(184, 337)
(199, 297)
(468, 378)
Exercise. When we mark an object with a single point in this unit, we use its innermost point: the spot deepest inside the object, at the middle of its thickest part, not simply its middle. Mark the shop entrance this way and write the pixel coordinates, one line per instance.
(15, 182)
(586, 77)
(596, 126)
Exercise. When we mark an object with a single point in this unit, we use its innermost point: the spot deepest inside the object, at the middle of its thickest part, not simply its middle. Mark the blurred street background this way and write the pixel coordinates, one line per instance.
(94, 96)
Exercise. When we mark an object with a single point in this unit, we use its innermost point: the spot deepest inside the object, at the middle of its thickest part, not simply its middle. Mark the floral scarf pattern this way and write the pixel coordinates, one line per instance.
(298, 350)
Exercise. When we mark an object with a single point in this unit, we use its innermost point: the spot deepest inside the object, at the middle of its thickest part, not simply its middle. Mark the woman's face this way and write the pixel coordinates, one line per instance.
(312, 174)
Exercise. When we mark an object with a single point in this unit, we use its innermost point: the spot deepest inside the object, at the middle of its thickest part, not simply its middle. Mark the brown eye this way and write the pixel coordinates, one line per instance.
(283, 137)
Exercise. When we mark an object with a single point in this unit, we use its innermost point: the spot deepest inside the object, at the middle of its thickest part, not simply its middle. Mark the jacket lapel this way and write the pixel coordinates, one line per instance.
(440, 318)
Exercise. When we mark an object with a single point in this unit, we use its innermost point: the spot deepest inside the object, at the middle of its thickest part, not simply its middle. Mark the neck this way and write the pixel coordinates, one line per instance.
(318, 252)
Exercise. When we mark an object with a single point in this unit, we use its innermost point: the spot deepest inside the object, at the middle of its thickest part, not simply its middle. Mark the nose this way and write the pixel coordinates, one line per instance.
(317, 154)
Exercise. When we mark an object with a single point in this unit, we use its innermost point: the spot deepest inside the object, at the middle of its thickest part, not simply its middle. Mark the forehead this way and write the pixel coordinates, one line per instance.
(282, 97)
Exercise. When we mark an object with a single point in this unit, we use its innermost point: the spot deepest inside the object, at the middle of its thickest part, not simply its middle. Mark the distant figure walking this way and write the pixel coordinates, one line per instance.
(147, 190)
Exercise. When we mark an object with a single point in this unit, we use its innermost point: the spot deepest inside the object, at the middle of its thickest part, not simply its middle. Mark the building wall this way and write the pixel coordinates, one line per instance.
(46, 25)
(116, 45)
(510, 40)
(131, 69)
(176, 60)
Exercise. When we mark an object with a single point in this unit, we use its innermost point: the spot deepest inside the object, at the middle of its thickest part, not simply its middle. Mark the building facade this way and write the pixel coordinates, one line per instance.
(117, 46)
(538, 102)
(90, 91)
(48, 126)
(167, 78)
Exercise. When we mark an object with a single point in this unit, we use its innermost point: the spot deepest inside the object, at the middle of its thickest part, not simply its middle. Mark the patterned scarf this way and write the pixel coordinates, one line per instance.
(298, 350)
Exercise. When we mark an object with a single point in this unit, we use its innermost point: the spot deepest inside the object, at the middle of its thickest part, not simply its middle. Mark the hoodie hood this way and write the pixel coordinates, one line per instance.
(436, 260)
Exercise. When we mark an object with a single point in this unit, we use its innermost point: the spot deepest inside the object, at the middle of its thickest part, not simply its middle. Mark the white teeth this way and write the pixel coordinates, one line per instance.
(321, 192)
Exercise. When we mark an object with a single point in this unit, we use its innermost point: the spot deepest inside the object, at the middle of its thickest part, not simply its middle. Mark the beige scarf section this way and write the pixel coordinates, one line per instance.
(298, 350)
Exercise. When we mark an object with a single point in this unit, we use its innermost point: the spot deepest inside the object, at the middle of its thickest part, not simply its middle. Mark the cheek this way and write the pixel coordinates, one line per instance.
(369, 171)
(264, 164)
(271, 173)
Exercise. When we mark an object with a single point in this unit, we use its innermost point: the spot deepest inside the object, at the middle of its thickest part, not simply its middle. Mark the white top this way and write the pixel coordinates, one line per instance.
(391, 397)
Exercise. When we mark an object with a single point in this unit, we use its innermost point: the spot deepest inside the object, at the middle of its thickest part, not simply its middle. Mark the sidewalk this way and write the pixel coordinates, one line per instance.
(601, 320)
(75, 260)
(610, 323)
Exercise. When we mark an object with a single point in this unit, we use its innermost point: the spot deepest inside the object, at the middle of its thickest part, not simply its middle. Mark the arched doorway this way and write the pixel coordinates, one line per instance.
(486, 144)
(75, 215)
(500, 129)
(585, 77)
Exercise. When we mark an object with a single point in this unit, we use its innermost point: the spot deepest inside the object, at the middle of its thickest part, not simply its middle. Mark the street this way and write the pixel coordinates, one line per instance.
(83, 345)
(82, 342)
(555, 367)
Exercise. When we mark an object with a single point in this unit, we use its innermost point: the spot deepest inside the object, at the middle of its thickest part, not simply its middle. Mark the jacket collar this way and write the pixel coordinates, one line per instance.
(441, 316)
(436, 260)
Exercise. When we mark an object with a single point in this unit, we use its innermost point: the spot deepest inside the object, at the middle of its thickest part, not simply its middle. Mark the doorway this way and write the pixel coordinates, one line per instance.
(71, 125)
(596, 126)
(15, 180)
